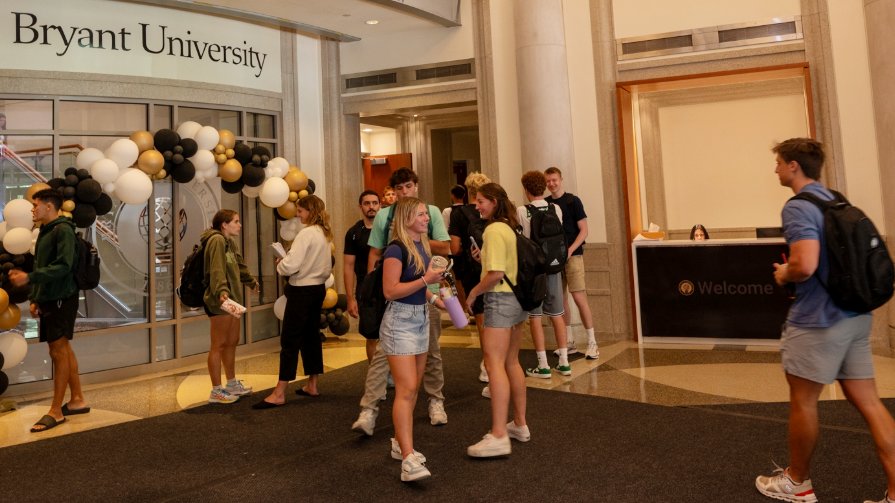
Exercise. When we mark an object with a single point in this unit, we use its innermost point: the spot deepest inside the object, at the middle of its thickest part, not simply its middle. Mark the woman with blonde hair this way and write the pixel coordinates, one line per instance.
(404, 331)
(227, 273)
(307, 264)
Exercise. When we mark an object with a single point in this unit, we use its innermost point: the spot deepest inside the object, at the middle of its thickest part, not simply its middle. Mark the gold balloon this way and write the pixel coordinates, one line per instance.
(228, 139)
(287, 210)
(293, 196)
(296, 179)
(161, 175)
(68, 205)
(330, 299)
(143, 139)
(230, 153)
(219, 149)
(230, 171)
(4, 300)
(302, 194)
(10, 317)
(151, 161)
(34, 189)
(66, 214)
(220, 158)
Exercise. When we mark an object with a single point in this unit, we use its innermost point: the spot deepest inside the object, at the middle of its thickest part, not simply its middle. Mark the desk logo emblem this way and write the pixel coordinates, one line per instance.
(686, 288)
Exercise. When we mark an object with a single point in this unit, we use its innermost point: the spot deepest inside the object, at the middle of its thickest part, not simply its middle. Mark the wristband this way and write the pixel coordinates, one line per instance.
(424, 281)
(432, 299)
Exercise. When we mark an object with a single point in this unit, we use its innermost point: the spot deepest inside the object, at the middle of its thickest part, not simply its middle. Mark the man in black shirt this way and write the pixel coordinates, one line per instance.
(356, 254)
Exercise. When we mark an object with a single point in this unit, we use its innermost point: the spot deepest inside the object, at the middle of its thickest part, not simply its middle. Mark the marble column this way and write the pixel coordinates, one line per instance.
(545, 116)
(879, 16)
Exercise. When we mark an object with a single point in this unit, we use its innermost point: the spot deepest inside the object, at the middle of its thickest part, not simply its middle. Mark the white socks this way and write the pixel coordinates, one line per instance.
(542, 359)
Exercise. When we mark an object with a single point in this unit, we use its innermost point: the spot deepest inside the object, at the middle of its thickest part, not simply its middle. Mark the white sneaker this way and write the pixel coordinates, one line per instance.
(520, 433)
(486, 392)
(483, 373)
(593, 352)
(238, 389)
(490, 446)
(221, 396)
(366, 421)
(781, 487)
(412, 469)
(884, 500)
(396, 452)
(571, 349)
(437, 415)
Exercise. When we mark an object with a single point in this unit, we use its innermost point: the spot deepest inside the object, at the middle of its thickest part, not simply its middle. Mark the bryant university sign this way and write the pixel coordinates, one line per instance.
(120, 38)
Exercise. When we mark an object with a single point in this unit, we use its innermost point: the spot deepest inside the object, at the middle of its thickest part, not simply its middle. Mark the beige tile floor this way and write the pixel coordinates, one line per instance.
(663, 374)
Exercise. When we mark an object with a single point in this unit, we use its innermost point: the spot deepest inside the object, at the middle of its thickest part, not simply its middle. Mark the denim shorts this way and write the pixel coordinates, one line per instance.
(823, 355)
(404, 329)
(552, 305)
(502, 310)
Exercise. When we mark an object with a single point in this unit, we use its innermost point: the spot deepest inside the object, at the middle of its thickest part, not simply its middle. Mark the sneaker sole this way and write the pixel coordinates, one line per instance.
(225, 402)
(406, 477)
(244, 393)
(360, 429)
(538, 375)
(437, 422)
(589, 357)
(564, 373)
(488, 454)
(786, 497)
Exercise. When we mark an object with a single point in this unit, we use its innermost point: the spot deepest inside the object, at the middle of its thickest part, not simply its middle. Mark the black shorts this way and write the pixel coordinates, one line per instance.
(57, 319)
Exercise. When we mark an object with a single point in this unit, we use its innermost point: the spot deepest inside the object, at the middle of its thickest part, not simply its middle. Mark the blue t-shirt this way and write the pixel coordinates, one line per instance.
(408, 272)
(813, 307)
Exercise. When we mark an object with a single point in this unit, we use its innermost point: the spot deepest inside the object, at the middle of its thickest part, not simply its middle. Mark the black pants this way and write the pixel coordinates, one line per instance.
(301, 331)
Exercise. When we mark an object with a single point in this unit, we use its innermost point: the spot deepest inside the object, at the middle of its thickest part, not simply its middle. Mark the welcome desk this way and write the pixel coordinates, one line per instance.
(721, 290)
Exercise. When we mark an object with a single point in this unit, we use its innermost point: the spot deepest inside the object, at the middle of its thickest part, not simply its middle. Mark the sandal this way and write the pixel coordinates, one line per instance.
(48, 422)
(66, 411)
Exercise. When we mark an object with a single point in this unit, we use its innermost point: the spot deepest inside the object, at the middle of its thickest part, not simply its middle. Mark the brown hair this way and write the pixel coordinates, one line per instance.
(553, 170)
(534, 182)
(222, 217)
(809, 153)
(317, 214)
(504, 211)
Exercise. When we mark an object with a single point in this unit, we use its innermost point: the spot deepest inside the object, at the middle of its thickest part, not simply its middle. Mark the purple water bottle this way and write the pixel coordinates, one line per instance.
(453, 307)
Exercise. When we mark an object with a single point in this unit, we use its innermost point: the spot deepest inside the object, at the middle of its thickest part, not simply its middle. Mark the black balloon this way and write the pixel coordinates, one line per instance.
(103, 205)
(89, 191)
(342, 302)
(2, 361)
(4, 382)
(252, 175)
(242, 153)
(340, 326)
(177, 158)
(184, 172)
(189, 147)
(70, 171)
(83, 174)
(5, 257)
(18, 260)
(233, 187)
(167, 155)
(311, 186)
(7, 266)
(69, 192)
(177, 149)
(165, 139)
(71, 180)
(17, 294)
(261, 151)
(55, 183)
(83, 215)
(256, 160)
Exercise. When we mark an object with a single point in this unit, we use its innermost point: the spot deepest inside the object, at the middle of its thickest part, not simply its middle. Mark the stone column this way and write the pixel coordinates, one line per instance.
(545, 116)
(878, 17)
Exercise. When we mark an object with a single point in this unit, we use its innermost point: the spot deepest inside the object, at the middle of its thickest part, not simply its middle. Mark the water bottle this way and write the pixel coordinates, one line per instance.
(453, 307)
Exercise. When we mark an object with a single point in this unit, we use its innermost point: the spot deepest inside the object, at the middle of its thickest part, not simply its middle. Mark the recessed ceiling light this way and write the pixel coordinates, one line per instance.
(372, 21)
(367, 130)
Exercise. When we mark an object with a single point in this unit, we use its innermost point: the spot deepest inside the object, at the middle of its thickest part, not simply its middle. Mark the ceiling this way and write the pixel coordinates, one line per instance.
(343, 20)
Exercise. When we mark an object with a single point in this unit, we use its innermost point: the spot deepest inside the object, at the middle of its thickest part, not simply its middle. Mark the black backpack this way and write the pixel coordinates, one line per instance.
(547, 231)
(861, 274)
(86, 270)
(371, 300)
(192, 278)
(531, 274)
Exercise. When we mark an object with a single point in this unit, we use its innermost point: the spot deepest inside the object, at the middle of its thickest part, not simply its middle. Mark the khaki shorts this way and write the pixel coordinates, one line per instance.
(573, 275)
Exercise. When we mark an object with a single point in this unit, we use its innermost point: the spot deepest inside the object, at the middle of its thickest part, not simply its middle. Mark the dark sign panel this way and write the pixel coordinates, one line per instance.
(718, 291)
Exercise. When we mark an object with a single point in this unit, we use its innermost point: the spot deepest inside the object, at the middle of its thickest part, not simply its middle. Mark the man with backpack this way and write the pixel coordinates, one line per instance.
(54, 299)
(406, 184)
(542, 223)
(575, 227)
(356, 253)
(821, 342)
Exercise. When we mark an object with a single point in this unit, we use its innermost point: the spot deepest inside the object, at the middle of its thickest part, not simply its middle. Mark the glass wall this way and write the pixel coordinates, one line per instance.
(142, 246)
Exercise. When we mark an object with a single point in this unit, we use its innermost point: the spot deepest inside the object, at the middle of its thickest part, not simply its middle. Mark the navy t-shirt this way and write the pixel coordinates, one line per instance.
(409, 271)
(572, 212)
(356, 244)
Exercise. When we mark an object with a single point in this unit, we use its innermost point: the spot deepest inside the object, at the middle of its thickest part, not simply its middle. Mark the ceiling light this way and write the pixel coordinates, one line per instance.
(366, 130)
(372, 21)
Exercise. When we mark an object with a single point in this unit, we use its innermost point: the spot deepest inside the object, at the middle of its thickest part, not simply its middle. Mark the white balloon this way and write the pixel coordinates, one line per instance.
(203, 160)
(109, 188)
(213, 172)
(251, 191)
(287, 233)
(17, 213)
(133, 187)
(104, 171)
(279, 307)
(17, 241)
(200, 178)
(274, 192)
(2, 230)
(188, 129)
(330, 281)
(14, 347)
(35, 233)
(124, 152)
(207, 138)
(88, 156)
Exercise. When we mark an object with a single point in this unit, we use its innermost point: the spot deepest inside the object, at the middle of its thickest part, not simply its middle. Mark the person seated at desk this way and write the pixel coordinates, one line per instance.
(698, 233)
